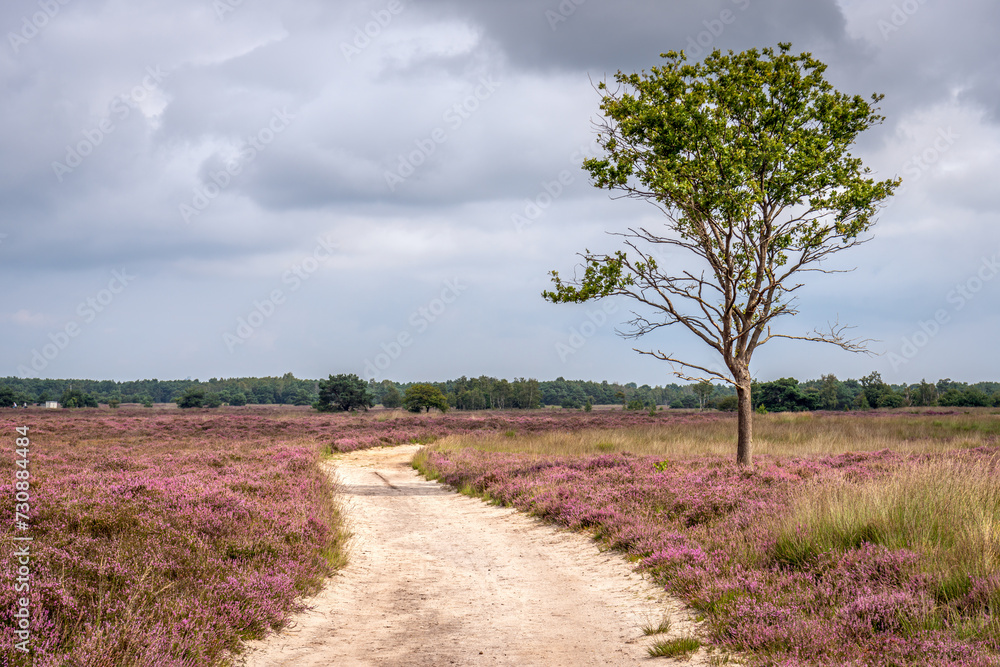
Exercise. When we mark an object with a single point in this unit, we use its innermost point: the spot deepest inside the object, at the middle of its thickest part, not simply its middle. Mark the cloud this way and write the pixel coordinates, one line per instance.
(434, 140)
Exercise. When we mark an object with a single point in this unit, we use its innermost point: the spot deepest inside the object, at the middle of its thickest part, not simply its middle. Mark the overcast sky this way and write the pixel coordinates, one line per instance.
(251, 187)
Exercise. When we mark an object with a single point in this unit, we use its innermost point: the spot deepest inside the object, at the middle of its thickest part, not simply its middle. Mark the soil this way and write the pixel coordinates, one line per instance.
(437, 578)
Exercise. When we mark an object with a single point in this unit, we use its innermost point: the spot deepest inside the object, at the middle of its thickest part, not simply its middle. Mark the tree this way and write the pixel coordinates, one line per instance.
(392, 398)
(727, 404)
(747, 156)
(301, 396)
(783, 395)
(212, 400)
(828, 397)
(75, 398)
(703, 390)
(194, 397)
(968, 398)
(427, 396)
(925, 394)
(878, 394)
(7, 397)
(343, 392)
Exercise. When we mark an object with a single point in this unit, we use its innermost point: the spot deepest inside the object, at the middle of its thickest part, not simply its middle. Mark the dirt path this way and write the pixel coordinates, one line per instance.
(436, 578)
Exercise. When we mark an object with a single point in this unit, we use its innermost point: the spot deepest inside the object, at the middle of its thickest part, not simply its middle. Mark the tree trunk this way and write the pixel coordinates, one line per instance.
(744, 442)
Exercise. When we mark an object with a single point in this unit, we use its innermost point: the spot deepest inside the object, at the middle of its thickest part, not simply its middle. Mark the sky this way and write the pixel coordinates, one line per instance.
(230, 188)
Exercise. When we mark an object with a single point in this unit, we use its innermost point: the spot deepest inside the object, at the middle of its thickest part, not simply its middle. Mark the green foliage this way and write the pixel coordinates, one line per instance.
(924, 394)
(74, 398)
(686, 402)
(238, 398)
(717, 144)
(782, 395)
(343, 392)
(8, 398)
(727, 404)
(877, 394)
(424, 396)
(300, 396)
(965, 398)
(212, 400)
(392, 398)
(703, 390)
(194, 397)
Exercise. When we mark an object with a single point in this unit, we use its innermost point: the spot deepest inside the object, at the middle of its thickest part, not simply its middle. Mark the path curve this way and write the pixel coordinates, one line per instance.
(437, 578)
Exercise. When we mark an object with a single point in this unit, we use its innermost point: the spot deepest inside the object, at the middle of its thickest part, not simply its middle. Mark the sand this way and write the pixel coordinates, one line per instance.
(437, 578)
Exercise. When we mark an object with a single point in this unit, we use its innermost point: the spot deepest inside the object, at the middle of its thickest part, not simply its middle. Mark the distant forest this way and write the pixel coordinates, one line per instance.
(488, 393)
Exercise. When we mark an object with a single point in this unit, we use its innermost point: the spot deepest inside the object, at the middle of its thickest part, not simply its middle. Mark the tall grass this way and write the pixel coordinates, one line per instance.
(945, 510)
(782, 434)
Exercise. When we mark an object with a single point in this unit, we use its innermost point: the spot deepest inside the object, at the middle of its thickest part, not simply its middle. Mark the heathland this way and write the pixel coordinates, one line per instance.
(168, 537)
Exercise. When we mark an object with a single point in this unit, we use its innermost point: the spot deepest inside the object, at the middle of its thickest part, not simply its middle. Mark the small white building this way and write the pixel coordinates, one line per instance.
(51, 404)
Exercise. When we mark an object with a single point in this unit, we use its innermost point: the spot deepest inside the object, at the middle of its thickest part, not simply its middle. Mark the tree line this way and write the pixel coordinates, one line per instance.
(489, 393)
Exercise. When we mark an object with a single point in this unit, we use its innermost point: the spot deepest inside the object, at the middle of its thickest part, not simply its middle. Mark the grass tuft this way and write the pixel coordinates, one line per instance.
(674, 648)
(661, 628)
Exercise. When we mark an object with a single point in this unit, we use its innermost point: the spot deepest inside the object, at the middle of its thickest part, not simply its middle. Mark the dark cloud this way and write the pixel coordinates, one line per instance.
(208, 151)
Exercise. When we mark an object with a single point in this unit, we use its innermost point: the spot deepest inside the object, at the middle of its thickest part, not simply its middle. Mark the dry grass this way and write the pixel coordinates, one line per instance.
(783, 434)
(945, 509)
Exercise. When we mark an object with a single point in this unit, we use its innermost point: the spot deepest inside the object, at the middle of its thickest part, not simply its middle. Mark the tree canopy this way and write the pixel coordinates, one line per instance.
(424, 396)
(343, 392)
(747, 155)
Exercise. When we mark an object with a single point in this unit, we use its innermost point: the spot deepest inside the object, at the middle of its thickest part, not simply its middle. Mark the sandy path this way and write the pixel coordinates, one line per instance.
(436, 578)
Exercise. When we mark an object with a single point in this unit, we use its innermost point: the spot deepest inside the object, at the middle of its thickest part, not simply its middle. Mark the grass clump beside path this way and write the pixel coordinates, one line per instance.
(885, 555)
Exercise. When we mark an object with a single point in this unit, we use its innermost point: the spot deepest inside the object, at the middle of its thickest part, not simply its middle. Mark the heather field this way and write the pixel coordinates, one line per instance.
(858, 539)
(167, 537)
(163, 538)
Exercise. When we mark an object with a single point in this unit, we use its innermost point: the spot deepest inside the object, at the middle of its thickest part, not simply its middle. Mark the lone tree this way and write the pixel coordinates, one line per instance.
(427, 396)
(343, 392)
(747, 156)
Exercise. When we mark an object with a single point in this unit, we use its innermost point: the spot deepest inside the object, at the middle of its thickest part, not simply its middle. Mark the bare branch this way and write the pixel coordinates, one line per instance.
(835, 336)
(673, 361)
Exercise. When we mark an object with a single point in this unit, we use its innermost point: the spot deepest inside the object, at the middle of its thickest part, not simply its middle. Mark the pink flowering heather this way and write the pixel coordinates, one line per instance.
(709, 532)
(163, 540)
